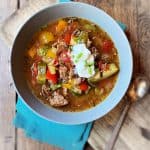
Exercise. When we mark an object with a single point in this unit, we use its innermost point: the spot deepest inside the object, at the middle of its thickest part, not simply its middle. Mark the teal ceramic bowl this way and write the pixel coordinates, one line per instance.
(95, 15)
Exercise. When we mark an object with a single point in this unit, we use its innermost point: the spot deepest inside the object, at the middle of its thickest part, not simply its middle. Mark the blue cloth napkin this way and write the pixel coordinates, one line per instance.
(67, 137)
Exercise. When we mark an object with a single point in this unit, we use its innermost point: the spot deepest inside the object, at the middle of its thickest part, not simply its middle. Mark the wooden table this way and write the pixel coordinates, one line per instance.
(135, 133)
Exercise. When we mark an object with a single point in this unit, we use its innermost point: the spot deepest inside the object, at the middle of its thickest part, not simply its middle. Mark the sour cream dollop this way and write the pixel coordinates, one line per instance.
(83, 60)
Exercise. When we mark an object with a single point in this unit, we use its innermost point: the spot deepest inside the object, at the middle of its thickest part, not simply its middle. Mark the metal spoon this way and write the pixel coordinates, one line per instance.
(137, 90)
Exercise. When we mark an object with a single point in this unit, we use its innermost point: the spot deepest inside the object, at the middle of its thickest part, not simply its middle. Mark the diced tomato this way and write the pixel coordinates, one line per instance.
(56, 62)
(107, 46)
(67, 38)
(51, 77)
(83, 86)
(65, 57)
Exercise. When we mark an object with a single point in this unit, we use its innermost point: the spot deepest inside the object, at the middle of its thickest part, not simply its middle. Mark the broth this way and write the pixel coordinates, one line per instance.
(72, 64)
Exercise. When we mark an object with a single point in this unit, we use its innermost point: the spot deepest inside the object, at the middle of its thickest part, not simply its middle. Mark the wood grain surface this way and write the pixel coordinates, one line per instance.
(7, 93)
(135, 133)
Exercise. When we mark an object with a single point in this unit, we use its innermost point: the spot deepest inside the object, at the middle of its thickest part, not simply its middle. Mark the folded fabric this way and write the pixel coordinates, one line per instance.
(67, 137)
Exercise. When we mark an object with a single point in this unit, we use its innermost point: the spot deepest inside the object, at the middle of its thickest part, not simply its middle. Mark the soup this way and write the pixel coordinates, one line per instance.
(71, 65)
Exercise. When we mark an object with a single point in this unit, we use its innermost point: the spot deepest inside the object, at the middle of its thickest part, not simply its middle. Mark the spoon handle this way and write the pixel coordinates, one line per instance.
(110, 144)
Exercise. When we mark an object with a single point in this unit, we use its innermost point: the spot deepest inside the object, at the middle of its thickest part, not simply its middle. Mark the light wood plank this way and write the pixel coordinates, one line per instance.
(7, 7)
(137, 122)
(24, 143)
(23, 3)
(103, 127)
(7, 92)
(144, 35)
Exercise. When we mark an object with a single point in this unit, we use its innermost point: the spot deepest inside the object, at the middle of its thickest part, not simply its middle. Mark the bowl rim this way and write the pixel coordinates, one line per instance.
(73, 114)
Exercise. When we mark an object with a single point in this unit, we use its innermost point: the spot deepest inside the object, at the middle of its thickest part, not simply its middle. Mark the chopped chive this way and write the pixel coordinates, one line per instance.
(79, 55)
(90, 70)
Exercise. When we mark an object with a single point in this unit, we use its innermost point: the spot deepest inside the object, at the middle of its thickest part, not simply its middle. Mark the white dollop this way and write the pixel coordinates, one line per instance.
(83, 60)
(79, 53)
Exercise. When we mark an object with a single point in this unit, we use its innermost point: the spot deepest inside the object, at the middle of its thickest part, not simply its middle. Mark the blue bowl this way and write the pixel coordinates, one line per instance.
(95, 15)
